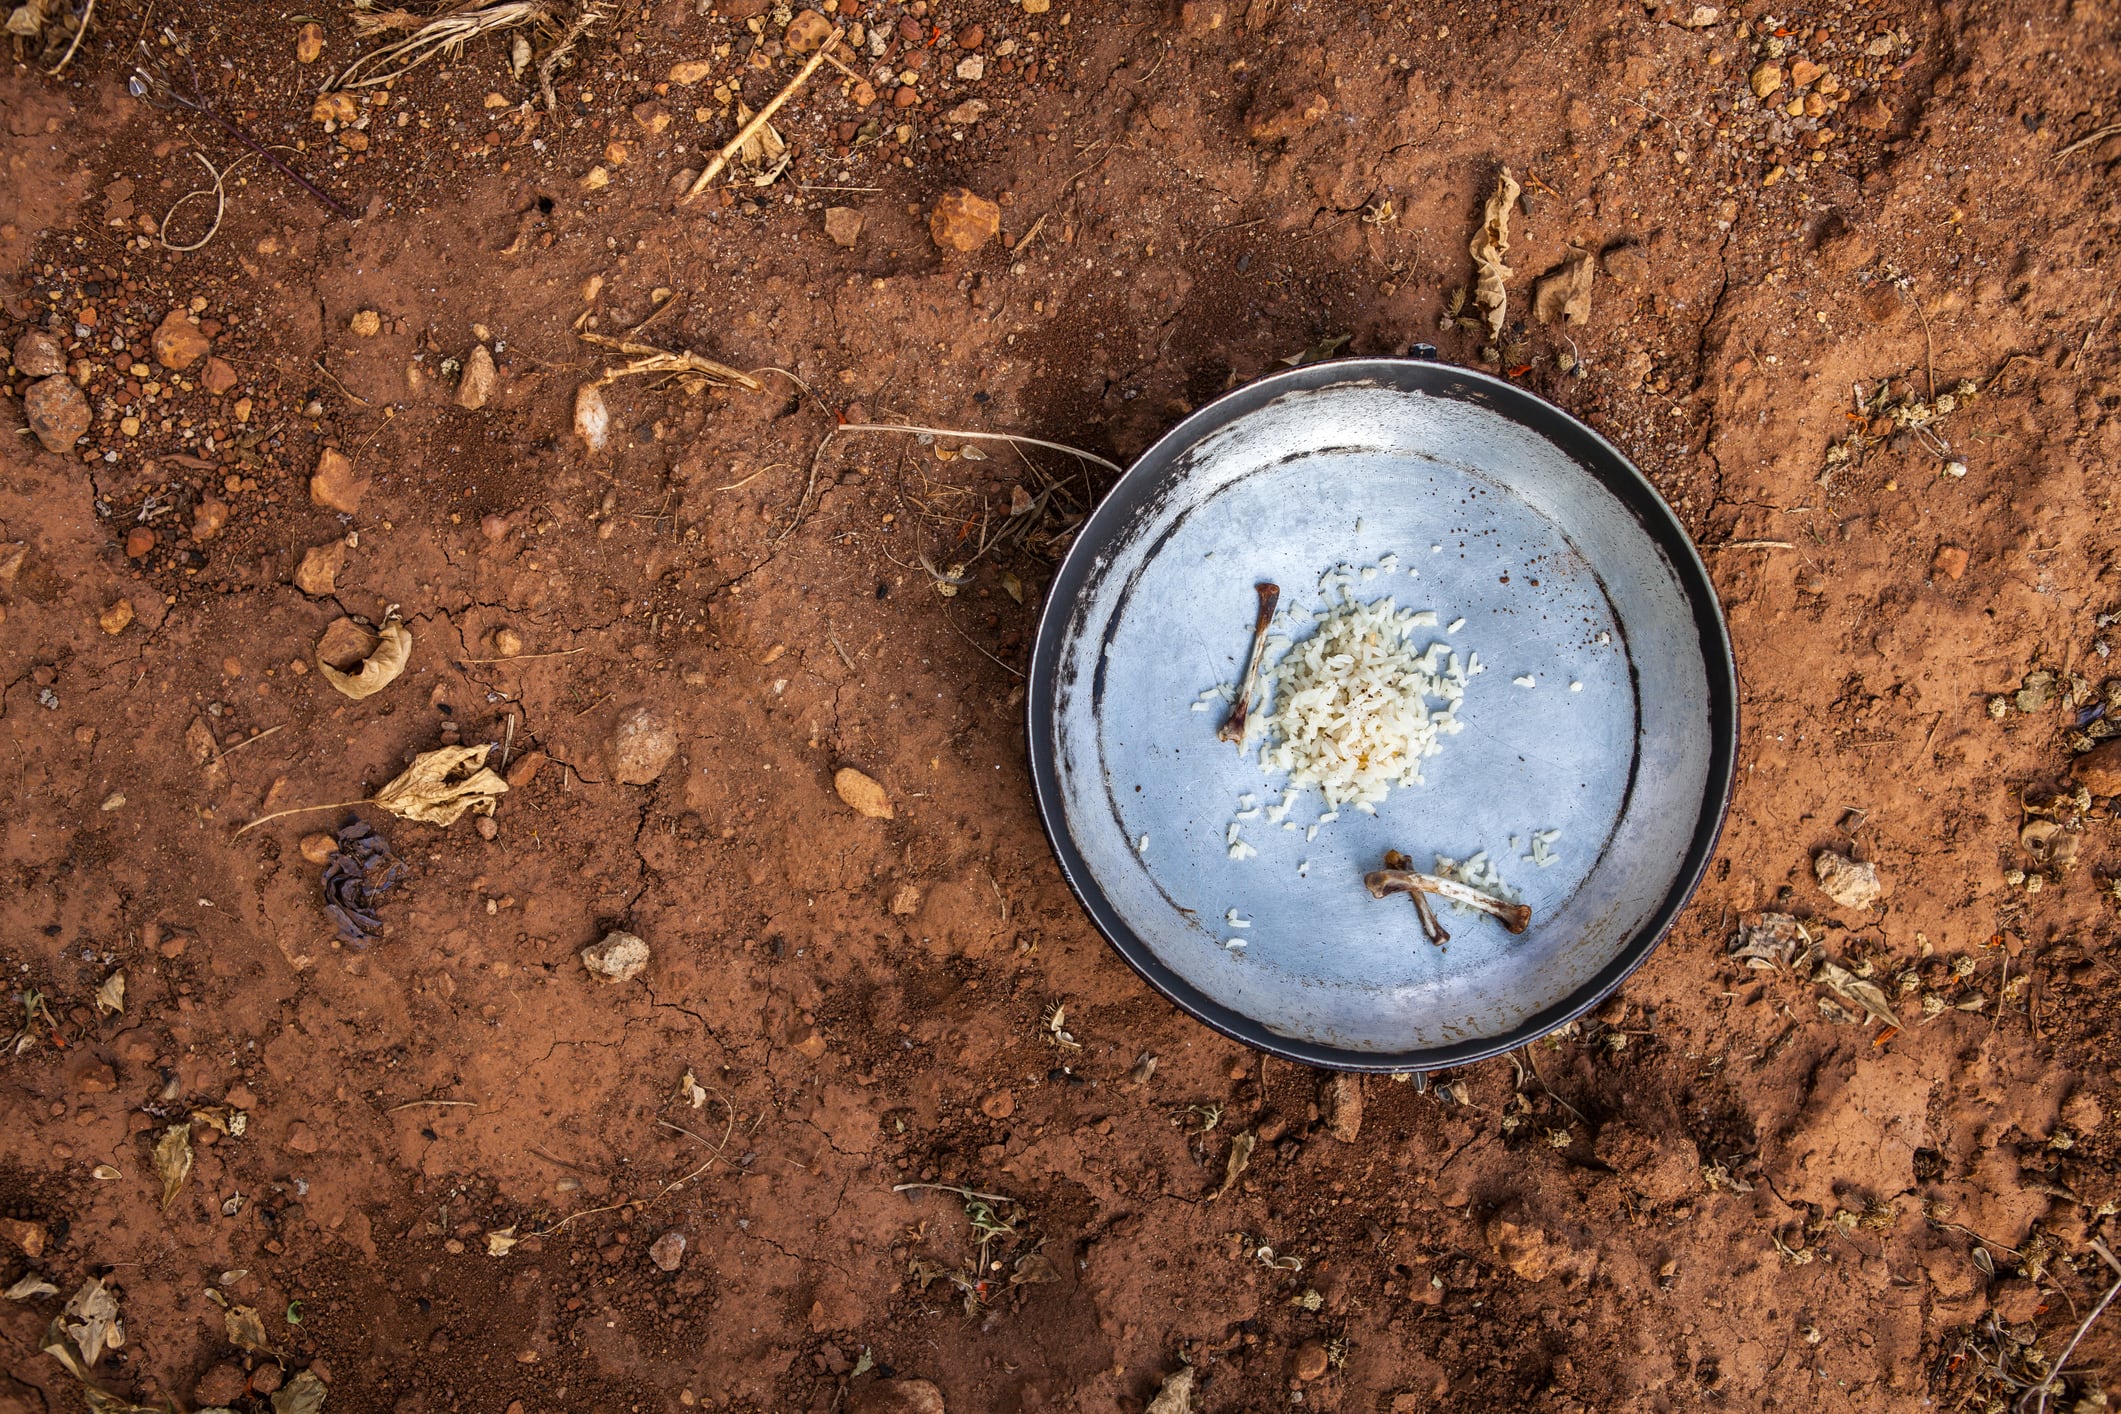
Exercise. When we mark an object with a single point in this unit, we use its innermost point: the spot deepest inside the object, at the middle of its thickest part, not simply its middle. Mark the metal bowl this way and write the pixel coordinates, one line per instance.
(1566, 567)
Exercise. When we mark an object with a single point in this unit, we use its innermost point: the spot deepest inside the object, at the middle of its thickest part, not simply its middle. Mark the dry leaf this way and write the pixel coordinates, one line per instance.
(1850, 988)
(764, 155)
(1235, 1165)
(440, 785)
(1488, 249)
(228, 1120)
(91, 1321)
(173, 1161)
(393, 647)
(1565, 291)
(1176, 1396)
(691, 1090)
(1033, 1269)
(500, 1243)
(1770, 942)
(304, 1394)
(110, 997)
(61, 1348)
(100, 1402)
(30, 1285)
(246, 1328)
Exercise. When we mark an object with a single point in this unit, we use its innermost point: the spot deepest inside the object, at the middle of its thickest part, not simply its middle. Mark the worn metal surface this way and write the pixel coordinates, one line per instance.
(1565, 567)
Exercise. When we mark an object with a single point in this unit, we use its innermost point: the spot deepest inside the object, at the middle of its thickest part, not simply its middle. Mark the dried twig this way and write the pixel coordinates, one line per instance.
(80, 33)
(227, 752)
(1021, 441)
(2095, 135)
(647, 358)
(2054, 1372)
(445, 34)
(526, 657)
(960, 1192)
(760, 119)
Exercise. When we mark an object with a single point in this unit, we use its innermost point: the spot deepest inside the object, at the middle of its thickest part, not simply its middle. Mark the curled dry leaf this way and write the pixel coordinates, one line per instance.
(1489, 246)
(110, 997)
(1772, 942)
(224, 1118)
(1868, 996)
(246, 1328)
(173, 1161)
(1234, 1167)
(1033, 1269)
(382, 666)
(440, 785)
(692, 1092)
(764, 155)
(30, 1285)
(501, 1242)
(1565, 291)
(91, 1321)
(304, 1394)
(1176, 1395)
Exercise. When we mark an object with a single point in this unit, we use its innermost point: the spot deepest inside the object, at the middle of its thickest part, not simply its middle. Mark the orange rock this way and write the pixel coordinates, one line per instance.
(334, 485)
(219, 377)
(807, 31)
(1950, 561)
(2099, 769)
(178, 342)
(963, 221)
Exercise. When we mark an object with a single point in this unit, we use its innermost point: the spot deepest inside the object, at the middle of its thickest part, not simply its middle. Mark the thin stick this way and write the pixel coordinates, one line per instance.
(79, 35)
(983, 652)
(2054, 1371)
(298, 810)
(2087, 140)
(651, 359)
(960, 1192)
(1754, 545)
(760, 119)
(230, 751)
(525, 657)
(1112, 466)
(254, 145)
(415, 1104)
(343, 389)
(1031, 235)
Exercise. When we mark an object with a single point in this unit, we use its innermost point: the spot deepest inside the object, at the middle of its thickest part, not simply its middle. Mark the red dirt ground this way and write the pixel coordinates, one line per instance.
(1713, 1196)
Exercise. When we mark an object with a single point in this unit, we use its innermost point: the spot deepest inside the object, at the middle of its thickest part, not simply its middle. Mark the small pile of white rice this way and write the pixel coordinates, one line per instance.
(1352, 713)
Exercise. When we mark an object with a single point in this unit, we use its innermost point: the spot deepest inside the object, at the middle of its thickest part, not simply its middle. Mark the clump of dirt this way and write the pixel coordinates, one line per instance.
(885, 1125)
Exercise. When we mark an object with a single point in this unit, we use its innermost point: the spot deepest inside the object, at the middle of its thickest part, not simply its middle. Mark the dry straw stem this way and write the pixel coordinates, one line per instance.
(80, 33)
(647, 358)
(444, 34)
(760, 119)
(2095, 135)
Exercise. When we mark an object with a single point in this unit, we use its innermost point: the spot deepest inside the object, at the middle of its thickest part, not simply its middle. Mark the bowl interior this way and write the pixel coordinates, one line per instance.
(1442, 502)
